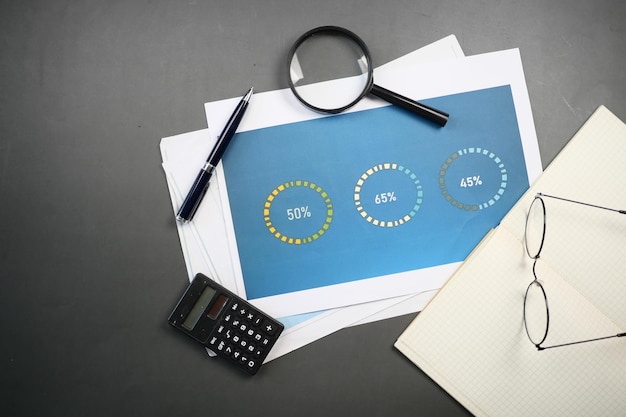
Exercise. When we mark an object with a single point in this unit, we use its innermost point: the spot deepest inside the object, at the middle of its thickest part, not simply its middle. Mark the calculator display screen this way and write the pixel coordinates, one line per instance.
(198, 308)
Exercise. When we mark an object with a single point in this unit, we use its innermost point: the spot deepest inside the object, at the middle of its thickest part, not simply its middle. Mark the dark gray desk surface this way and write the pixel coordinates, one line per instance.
(90, 261)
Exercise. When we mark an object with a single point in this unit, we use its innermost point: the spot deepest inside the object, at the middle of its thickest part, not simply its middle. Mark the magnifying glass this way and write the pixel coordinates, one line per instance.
(330, 70)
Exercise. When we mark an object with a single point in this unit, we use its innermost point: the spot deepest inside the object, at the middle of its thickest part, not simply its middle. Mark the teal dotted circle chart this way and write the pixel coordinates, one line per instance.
(473, 179)
(388, 195)
(298, 212)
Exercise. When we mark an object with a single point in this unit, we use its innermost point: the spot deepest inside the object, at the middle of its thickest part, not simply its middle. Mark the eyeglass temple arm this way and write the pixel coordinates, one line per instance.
(582, 341)
(580, 202)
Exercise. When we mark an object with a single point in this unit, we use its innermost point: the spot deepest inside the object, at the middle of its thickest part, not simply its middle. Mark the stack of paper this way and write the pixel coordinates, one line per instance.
(447, 187)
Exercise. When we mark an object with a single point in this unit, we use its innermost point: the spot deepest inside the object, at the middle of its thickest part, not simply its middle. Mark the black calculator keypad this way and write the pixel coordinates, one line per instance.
(225, 323)
(244, 335)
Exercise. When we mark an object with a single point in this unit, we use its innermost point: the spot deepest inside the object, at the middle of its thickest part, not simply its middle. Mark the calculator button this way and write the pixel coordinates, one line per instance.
(251, 363)
(250, 316)
(243, 327)
(269, 328)
(227, 318)
(242, 312)
(235, 306)
(257, 321)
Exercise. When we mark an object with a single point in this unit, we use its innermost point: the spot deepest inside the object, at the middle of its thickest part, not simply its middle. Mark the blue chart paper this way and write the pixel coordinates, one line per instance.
(371, 193)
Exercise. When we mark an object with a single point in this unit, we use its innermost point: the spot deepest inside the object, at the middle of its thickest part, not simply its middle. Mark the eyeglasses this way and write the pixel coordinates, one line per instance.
(536, 311)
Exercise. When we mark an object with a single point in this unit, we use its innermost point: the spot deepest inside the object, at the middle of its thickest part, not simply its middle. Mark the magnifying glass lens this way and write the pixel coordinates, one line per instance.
(330, 70)
(338, 66)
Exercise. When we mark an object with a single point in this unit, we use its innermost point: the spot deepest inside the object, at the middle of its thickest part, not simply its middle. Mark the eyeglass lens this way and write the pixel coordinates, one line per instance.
(536, 316)
(535, 228)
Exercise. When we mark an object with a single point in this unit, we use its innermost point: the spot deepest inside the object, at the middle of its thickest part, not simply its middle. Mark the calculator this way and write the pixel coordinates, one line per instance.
(225, 323)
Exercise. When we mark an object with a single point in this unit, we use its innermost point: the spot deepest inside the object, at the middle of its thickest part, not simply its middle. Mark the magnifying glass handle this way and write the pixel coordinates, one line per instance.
(432, 114)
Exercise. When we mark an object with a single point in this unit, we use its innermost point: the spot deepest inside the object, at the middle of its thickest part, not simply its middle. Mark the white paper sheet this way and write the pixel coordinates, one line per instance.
(469, 74)
(206, 252)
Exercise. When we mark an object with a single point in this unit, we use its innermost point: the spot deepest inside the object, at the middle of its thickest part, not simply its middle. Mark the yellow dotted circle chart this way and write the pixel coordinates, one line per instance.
(473, 179)
(388, 195)
(298, 212)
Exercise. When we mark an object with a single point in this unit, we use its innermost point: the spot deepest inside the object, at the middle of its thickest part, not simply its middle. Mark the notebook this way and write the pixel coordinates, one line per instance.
(471, 339)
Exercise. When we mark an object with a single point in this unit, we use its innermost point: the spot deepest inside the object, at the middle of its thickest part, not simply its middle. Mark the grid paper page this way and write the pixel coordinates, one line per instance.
(471, 340)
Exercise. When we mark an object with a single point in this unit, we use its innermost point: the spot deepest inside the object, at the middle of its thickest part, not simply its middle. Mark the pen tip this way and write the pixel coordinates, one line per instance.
(248, 94)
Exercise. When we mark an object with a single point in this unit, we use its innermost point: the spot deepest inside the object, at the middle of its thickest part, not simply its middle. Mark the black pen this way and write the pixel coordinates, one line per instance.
(201, 184)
